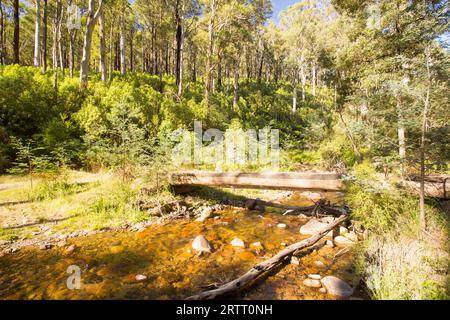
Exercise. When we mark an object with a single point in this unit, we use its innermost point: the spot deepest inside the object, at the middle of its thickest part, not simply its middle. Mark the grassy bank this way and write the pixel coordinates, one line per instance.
(398, 261)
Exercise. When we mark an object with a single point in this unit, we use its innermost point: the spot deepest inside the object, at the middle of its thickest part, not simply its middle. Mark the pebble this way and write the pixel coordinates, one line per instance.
(312, 283)
(45, 246)
(140, 277)
(323, 290)
(281, 225)
(236, 242)
(69, 249)
(315, 276)
(257, 245)
(295, 261)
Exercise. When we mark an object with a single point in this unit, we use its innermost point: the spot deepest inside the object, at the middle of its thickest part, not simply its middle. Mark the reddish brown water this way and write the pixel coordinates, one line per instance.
(110, 261)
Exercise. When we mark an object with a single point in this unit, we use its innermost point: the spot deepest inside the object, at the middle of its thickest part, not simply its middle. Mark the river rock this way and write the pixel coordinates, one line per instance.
(140, 277)
(312, 283)
(341, 240)
(323, 290)
(329, 243)
(314, 196)
(352, 236)
(205, 214)
(45, 246)
(3, 242)
(250, 204)
(327, 219)
(313, 226)
(236, 242)
(201, 244)
(337, 287)
(257, 245)
(315, 276)
(295, 261)
(319, 264)
(282, 225)
(343, 230)
(69, 249)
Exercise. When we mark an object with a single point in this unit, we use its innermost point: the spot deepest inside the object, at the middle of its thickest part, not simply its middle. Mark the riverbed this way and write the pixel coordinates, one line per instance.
(159, 263)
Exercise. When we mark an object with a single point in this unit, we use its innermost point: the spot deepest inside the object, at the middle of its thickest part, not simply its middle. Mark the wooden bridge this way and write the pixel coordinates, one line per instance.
(260, 180)
(320, 181)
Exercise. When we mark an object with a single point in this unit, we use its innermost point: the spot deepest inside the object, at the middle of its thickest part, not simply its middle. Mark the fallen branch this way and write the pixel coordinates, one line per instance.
(266, 265)
(308, 210)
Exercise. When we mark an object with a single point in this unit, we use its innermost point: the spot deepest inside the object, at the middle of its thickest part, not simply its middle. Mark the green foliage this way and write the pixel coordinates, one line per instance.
(29, 160)
(381, 210)
(114, 206)
(337, 152)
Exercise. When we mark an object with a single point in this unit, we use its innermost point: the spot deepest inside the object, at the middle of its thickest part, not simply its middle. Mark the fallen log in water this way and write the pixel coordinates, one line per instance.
(308, 210)
(266, 265)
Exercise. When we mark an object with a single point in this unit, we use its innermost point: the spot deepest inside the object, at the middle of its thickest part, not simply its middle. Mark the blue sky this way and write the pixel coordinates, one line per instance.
(279, 5)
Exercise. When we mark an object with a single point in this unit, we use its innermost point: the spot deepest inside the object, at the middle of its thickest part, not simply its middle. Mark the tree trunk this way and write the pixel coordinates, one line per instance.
(294, 97)
(261, 63)
(87, 43)
(426, 106)
(56, 25)
(101, 22)
(313, 79)
(236, 84)
(37, 39)
(303, 75)
(123, 65)
(44, 39)
(209, 54)
(2, 33)
(179, 43)
(131, 49)
(60, 42)
(401, 132)
(16, 37)
(111, 50)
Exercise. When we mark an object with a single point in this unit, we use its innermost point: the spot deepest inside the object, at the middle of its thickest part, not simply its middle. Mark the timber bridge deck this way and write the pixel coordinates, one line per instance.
(435, 187)
(324, 181)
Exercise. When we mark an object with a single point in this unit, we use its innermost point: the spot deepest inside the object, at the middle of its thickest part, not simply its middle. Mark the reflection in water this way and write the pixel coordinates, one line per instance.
(110, 261)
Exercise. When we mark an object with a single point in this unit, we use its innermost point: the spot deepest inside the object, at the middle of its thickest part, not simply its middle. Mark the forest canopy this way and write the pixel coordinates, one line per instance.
(342, 80)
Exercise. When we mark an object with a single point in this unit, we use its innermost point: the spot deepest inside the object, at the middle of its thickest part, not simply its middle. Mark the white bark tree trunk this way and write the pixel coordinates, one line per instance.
(37, 40)
(123, 62)
(102, 46)
(87, 43)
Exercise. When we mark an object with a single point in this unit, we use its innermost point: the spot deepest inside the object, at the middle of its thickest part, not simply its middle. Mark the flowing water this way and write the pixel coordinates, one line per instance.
(110, 261)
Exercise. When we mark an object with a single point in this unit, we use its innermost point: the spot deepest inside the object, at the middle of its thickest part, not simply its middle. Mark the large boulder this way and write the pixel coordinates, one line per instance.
(313, 226)
(201, 244)
(337, 287)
